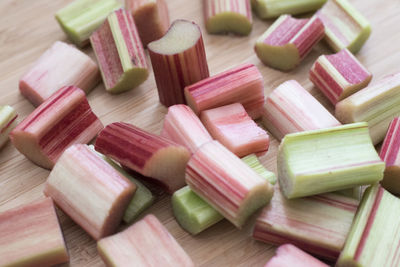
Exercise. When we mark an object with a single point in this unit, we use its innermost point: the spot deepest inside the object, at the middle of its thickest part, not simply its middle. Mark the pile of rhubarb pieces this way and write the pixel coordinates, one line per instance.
(333, 196)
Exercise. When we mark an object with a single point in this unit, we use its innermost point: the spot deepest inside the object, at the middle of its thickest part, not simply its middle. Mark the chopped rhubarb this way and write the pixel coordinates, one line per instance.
(288, 41)
(289, 255)
(345, 26)
(151, 18)
(120, 53)
(183, 127)
(31, 236)
(61, 65)
(227, 183)
(266, 9)
(339, 75)
(148, 154)
(89, 190)
(62, 120)
(146, 243)
(81, 18)
(242, 84)
(178, 60)
(326, 160)
(374, 235)
(8, 121)
(376, 104)
(355, 192)
(290, 108)
(233, 127)
(253, 162)
(228, 16)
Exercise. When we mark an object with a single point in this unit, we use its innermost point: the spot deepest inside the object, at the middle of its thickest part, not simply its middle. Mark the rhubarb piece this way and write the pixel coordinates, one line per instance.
(82, 17)
(374, 235)
(267, 9)
(227, 183)
(137, 246)
(178, 60)
(355, 192)
(31, 236)
(228, 16)
(290, 108)
(148, 154)
(339, 75)
(345, 26)
(89, 190)
(151, 18)
(183, 127)
(61, 65)
(289, 255)
(242, 84)
(376, 104)
(326, 160)
(8, 122)
(120, 53)
(233, 127)
(317, 224)
(253, 162)
(288, 41)
(61, 121)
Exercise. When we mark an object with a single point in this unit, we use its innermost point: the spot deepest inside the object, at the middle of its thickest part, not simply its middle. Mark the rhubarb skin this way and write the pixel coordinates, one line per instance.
(227, 183)
(8, 121)
(148, 154)
(136, 246)
(326, 160)
(253, 162)
(178, 60)
(151, 18)
(289, 255)
(61, 121)
(81, 18)
(120, 53)
(374, 236)
(233, 127)
(339, 75)
(31, 236)
(378, 104)
(242, 84)
(228, 16)
(290, 108)
(89, 191)
(345, 26)
(267, 9)
(288, 40)
(61, 65)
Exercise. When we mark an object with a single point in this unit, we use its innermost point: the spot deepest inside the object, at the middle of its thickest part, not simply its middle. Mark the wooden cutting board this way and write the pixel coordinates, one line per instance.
(28, 28)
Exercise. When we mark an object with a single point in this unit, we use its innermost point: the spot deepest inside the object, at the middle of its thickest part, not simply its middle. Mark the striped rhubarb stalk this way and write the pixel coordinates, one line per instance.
(345, 26)
(267, 9)
(242, 84)
(228, 16)
(375, 233)
(146, 243)
(339, 75)
(89, 190)
(178, 60)
(233, 127)
(290, 108)
(327, 160)
(8, 121)
(151, 18)
(61, 65)
(376, 104)
(183, 127)
(288, 40)
(289, 255)
(120, 53)
(317, 224)
(150, 155)
(62, 120)
(226, 183)
(31, 236)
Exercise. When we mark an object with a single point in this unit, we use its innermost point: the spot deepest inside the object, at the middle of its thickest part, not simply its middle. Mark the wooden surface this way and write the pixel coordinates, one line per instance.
(28, 28)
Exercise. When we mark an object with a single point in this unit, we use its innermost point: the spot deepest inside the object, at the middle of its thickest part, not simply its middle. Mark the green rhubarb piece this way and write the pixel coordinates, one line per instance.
(8, 122)
(325, 160)
(355, 192)
(255, 164)
(266, 9)
(82, 17)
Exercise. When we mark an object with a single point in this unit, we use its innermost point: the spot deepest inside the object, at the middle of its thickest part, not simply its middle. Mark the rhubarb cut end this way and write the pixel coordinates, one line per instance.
(130, 80)
(283, 58)
(229, 22)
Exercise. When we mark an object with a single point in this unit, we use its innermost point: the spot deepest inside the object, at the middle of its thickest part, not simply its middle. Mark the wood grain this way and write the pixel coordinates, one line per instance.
(28, 28)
